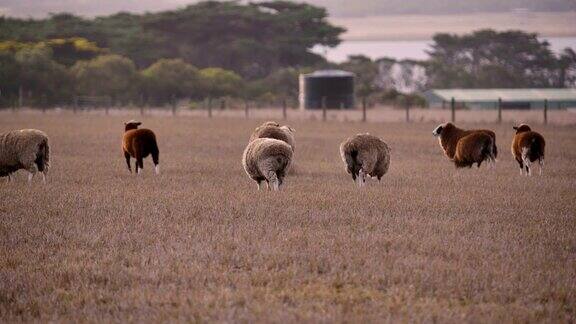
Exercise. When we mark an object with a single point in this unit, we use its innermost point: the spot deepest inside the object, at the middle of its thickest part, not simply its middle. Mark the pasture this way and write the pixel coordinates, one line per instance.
(199, 243)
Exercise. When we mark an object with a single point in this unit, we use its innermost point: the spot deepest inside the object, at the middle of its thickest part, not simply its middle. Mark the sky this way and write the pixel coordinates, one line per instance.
(90, 8)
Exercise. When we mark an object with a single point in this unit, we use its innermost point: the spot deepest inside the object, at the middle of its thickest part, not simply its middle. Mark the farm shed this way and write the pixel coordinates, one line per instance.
(332, 88)
(511, 98)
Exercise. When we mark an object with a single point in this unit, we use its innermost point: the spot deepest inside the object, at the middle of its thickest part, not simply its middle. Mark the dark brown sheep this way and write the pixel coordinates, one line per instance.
(474, 148)
(139, 143)
(449, 135)
(527, 147)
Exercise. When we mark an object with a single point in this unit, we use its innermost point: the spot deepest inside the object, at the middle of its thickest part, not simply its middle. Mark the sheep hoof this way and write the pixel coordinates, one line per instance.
(157, 169)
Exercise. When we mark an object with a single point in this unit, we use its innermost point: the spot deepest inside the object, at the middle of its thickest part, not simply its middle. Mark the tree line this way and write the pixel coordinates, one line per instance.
(248, 51)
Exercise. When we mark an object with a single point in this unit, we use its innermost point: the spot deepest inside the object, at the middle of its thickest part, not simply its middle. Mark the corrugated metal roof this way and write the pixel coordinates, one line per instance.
(480, 95)
(330, 73)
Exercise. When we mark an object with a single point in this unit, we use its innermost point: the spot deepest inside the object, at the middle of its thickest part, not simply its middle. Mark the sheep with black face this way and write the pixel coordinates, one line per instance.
(466, 147)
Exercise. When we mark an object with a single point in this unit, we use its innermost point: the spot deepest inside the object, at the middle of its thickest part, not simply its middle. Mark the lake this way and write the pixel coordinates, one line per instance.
(406, 49)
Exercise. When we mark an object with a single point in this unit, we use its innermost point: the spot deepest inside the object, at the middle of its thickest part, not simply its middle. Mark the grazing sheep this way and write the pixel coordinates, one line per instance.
(449, 135)
(363, 155)
(474, 148)
(272, 129)
(139, 143)
(527, 147)
(267, 159)
(26, 149)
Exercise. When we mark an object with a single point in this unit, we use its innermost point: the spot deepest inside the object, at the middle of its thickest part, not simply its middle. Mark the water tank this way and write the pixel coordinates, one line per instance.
(334, 88)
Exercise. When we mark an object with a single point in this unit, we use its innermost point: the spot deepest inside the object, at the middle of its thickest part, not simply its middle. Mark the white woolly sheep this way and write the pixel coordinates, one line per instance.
(139, 143)
(365, 154)
(449, 135)
(26, 149)
(527, 147)
(267, 159)
(272, 129)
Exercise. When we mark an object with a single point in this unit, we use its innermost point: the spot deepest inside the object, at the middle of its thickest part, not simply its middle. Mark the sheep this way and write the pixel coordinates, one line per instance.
(26, 149)
(139, 143)
(474, 148)
(527, 147)
(365, 154)
(272, 129)
(267, 159)
(449, 135)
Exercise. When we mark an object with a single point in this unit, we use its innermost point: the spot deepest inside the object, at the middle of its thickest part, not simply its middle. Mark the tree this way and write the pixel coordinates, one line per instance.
(9, 79)
(366, 72)
(42, 80)
(219, 82)
(108, 75)
(172, 78)
(488, 59)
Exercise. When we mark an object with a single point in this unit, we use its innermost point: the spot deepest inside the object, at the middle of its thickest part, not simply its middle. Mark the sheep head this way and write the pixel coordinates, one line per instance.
(132, 124)
(442, 128)
(522, 128)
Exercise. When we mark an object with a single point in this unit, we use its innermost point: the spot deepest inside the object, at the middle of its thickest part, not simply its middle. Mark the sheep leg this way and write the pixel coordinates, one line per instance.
(259, 183)
(155, 159)
(361, 178)
(273, 180)
(526, 161)
(127, 157)
(541, 164)
(521, 166)
(139, 164)
(32, 170)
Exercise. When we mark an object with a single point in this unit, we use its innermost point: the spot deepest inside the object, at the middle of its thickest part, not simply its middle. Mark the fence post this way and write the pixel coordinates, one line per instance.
(209, 107)
(284, 115)
(364, 109)
(499, 110)
(545, 111)
(407, 112)
(323, 108)
(453, 108)
(74, 104)
(246, 109)
(20, 97)
(173, 102)
(43, 103)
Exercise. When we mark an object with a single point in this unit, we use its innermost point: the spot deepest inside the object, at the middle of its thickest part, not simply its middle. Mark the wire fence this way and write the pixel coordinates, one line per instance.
(286, 110)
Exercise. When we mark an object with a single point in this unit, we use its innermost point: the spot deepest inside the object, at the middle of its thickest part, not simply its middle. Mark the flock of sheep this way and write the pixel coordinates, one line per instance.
(270, 151)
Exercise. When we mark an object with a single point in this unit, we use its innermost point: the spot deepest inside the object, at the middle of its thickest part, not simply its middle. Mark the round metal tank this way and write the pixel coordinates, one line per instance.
(333, 88)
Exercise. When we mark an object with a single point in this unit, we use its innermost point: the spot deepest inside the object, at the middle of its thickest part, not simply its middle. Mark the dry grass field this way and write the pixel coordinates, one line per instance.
(199, 243)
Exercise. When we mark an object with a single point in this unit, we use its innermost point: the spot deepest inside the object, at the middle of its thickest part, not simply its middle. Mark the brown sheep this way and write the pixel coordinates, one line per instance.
(139, 143)
(474, 148)
(449, 135)
(527, 147)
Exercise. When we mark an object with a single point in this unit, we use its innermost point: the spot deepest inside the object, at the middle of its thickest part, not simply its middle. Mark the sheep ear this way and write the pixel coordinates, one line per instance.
(138, 123)
(292, 129)
(515, 127)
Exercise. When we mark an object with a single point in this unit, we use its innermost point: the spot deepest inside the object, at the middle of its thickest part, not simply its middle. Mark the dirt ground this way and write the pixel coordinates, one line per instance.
(199, 243)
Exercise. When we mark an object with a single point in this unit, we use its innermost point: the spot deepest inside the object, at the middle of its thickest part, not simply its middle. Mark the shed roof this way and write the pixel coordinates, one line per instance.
(490, 95)
(330, 73)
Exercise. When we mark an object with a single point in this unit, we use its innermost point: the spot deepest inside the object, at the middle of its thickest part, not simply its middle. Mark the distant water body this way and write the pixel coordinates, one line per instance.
(407, 49)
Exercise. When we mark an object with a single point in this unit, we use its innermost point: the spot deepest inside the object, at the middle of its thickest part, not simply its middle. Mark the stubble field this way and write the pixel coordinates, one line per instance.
(199, 243)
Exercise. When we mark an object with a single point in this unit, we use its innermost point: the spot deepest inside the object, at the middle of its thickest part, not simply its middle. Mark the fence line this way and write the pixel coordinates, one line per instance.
(409, 113)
